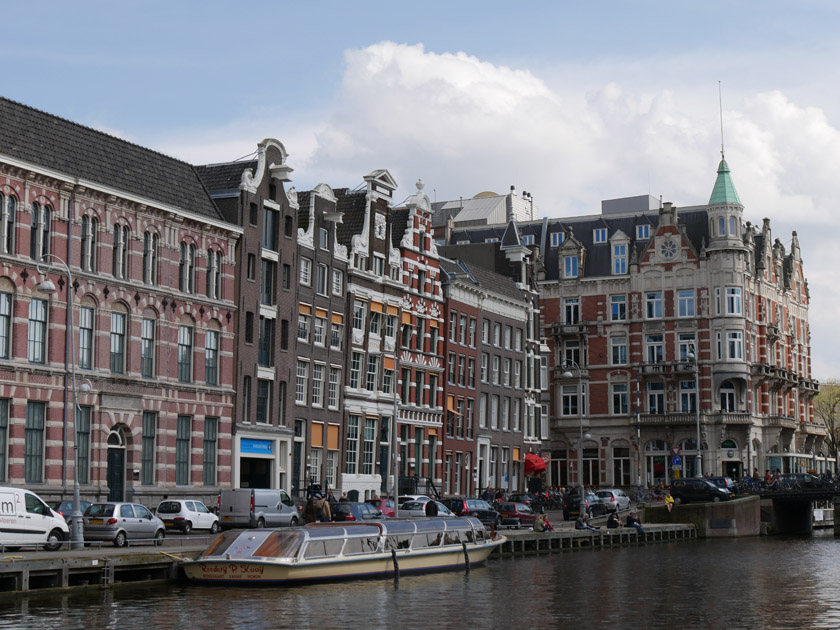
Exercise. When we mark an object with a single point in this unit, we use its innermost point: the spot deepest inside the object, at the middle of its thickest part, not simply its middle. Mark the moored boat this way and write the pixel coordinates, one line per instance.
(335, 551)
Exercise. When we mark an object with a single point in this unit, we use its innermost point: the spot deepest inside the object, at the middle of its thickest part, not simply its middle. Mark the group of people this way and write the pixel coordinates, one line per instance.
(613, 522)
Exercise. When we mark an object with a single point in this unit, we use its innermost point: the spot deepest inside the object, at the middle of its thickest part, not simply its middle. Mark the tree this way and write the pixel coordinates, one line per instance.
(827, 409)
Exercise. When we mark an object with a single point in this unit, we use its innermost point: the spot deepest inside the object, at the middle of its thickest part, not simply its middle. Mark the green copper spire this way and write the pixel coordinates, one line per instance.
(724, 190)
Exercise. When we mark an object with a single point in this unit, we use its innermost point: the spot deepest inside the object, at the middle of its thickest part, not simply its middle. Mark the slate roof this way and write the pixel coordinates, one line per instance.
(481, 277)
(224, 177)
(399, 224)
(352, 204)
(72, 149)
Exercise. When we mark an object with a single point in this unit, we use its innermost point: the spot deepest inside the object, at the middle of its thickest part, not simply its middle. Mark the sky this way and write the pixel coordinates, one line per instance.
(574, 102)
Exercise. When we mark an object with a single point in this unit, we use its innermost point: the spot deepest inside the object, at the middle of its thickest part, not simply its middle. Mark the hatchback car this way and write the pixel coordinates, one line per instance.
(65, 508)
(614, 500)
(354, 511)
(386, 506)
(121, 522)
(418, 508)
(187, 515)
(517, 514)
(697, 489)
(474, 507)
(593, 505)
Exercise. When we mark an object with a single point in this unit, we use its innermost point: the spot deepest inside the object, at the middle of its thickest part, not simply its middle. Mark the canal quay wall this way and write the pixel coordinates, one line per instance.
(727, 519)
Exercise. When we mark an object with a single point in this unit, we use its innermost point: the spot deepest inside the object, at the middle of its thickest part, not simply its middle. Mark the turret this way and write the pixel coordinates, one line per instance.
(725, 212)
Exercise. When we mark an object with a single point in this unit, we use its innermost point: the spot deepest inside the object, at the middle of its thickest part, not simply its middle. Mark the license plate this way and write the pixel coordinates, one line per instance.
(227, 518)
(96, 521)
(168, 523)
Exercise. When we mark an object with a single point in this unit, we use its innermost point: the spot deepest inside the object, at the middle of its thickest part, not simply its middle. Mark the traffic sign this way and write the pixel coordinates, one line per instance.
(675, 450)
(676, 460)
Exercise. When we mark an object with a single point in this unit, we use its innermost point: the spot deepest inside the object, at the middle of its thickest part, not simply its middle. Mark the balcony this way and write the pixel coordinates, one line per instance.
(656, 368)
(734, 418)
(667, 418)
(565, 330)
(784, 422)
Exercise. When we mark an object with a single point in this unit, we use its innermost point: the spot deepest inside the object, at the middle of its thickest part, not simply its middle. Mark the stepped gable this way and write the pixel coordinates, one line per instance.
(41, 139)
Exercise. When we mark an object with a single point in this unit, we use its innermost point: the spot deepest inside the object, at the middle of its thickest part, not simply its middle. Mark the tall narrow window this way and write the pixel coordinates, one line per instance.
(268, 282)
(211, 436)
(186, 269)
(619, 259)
(118, 333)
(332, 390)
(246, 399)
(5, 325)
(185, 349)
(148, 448)
(83, 415)
(39, 235)
(266, 345)
(120, 262)
(369, 443)
(317, 385)
(86, 314)
(270, 230)
(8, 207)
(37, 334)
(33, 452)
(653, 301)
(147, 347)
(90, 229)
(351, 455)
(211, 357)
(570, 267)
(214, 274)
(618, 308)
(301, 382)
(182, 450)
(150, 253)
(305, 272)
(4, 439)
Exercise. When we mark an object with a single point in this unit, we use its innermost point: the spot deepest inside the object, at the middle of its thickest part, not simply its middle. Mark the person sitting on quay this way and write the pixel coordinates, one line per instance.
(633, 521)
(583, 523)
(613, 522)
(542, 524)
(669, 502)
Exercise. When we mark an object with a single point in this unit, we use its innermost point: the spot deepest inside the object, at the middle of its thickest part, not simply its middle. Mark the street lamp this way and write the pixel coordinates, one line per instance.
(568, 374)
(698, 461)
(77, 539)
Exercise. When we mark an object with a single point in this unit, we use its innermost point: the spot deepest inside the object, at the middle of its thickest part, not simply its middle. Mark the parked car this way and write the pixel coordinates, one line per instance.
(386, 506)
(27, 520)
(614, 500)
(413, 497)
(522, 497)
(354, 511)
(474, 507)
(121, 522)
(65, 508)
(593, 506)
(418, 508)
(256, 507)
(725, 483)
(697, 489)
(187, 515)
(801, 480)
(517, 514)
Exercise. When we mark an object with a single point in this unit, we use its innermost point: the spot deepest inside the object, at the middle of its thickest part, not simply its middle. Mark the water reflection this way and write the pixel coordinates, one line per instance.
(748, 583)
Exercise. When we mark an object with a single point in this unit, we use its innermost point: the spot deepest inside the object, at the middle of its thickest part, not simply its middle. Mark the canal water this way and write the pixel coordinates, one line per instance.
(773, 582)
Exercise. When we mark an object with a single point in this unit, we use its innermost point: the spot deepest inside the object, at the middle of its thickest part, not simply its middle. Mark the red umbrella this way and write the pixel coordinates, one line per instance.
(534, 464)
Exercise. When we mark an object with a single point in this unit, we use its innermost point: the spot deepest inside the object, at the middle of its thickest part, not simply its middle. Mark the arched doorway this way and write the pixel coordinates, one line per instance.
(732, 465)
(116, 465)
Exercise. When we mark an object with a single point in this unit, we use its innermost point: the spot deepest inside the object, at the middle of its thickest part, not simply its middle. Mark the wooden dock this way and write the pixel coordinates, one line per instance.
(524, 542)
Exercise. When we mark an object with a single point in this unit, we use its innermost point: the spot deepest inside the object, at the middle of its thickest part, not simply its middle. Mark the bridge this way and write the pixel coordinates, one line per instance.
(791, 511)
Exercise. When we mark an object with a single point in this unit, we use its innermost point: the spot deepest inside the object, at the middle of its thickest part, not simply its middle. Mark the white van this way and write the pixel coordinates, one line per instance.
(25, 520)
(256, 507)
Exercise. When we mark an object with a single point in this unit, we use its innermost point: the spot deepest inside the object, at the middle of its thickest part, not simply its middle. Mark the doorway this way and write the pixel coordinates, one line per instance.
(115, 475)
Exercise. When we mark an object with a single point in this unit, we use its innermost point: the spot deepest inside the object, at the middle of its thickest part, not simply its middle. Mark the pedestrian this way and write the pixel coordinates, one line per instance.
(633, 521)
(344, 498)
(309, 515)
(322, 508)
(431, 508)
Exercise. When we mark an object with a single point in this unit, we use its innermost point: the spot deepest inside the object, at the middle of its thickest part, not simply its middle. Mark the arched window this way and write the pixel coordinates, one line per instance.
(185, 351)
(214, 274)
(8, 206)
(39, 234)
(727, 396)
(90, 228)
(119, 335)
(121, 234)
(186, 276)
(733, 224)
(721, 226)
(150, 252)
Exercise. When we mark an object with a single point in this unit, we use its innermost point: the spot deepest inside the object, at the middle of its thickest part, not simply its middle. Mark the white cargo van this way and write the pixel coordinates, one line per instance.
(256, 507)
(25, 520)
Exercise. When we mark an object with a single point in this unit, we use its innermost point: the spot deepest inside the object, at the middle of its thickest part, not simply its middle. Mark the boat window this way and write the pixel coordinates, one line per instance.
(321, 548)
(280, 545)
(400, 541)
(452, 538)
(367, 544)
(221, 544)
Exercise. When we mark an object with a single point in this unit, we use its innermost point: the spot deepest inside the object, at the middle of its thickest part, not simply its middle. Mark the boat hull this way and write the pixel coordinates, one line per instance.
(279, 571)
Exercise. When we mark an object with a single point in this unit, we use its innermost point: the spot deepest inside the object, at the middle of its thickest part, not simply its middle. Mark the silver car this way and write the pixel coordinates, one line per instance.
(121, 522)
(614, 500)
(418, 508)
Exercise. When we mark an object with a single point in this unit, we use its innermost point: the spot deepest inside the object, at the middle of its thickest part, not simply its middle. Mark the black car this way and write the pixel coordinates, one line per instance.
(354, 511)
(65, 508)
(594, 506)
(478, 508)
(698, 490)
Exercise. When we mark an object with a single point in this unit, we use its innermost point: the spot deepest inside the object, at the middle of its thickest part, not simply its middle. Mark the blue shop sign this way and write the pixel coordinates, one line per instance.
(256, 447)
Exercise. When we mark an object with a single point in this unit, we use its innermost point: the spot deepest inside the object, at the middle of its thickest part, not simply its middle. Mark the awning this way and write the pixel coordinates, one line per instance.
(534, 464)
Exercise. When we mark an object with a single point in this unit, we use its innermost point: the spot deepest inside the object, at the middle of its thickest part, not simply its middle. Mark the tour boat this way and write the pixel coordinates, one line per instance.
(335, 551)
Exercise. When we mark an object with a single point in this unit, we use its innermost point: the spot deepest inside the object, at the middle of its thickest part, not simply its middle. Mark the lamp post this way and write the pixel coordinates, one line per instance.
(698, 461)
(77, 539)
(567, 374)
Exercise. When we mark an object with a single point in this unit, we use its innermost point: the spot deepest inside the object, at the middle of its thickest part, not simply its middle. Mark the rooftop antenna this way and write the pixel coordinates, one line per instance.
(720, 105)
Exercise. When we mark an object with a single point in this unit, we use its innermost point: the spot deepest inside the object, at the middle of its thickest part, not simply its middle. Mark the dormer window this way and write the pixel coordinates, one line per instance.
(528, 239)
(619, 259)
(570, 267)
(556, 239)
(599, 235)
(643, 231)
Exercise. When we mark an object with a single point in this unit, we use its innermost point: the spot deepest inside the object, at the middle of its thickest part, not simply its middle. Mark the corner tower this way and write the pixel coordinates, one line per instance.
(725, 212)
